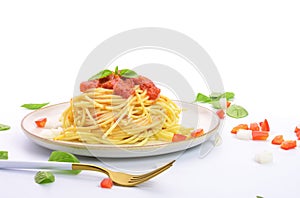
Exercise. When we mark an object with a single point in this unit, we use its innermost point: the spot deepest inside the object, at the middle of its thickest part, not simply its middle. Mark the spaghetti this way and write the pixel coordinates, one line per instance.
(99, 115)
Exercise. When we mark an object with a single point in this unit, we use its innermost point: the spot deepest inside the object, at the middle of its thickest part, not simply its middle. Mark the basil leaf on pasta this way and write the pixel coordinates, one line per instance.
(101, 74)
(127, 73)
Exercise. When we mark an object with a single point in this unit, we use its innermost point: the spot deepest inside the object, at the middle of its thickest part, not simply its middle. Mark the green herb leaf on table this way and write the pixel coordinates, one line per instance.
(34, 106)
(127, 73)
(236, 111)
(101, 74)
(44, 177)
(3, 155)
(60, 156)
(227, 95)
(202, 98)
(214, 97)
(4, 127)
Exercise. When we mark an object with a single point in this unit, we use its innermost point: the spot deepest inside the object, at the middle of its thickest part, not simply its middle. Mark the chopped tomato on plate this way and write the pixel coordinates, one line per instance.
(41, 122)
(197, 133)
(178, 137)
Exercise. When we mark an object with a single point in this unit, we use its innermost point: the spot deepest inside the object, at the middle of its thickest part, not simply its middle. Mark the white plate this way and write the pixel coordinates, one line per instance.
(193, 115)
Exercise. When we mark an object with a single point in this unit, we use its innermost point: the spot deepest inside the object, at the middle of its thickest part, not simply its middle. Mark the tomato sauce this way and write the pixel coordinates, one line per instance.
(123, 86)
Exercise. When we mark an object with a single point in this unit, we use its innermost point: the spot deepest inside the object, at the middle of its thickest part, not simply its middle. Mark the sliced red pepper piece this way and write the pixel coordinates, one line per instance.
(178, 137)
(197, 133)
(221, 114)
(254, 126)
(238, 127)
(41, 122)
(278, 140)
(288, 144)
(260, 135)
(265, 125)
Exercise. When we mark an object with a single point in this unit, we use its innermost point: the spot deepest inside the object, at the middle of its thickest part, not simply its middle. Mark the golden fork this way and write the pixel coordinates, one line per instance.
(119, 178)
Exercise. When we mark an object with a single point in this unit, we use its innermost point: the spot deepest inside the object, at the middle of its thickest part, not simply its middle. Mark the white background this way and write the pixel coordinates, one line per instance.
(254, 44)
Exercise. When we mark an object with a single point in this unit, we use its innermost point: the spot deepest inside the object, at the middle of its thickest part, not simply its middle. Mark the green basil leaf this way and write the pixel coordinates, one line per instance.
(127, 73)
(228, 95)
(236, 111)
(60, 156)
(4, 127)
(101, 74)
(33, 106)
(3, 155)
(259, 197)
(116, 70)
(44, 177)
(217, 96)
(202, 98)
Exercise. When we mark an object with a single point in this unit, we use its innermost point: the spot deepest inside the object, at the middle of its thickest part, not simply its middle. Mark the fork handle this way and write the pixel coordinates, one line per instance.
(10, 164)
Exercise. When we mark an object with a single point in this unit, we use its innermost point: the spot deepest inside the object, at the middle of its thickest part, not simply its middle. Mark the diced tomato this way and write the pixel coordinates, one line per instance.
(106, 183)
(228, 103)
(278, 140)
(254, 126)
(197, 133)
(298, 135)
(297, 129)
(238, 127)
(265, 125)
(221, 114)
(178, 137)
(260, 135)
(288, 144)
(41, 122)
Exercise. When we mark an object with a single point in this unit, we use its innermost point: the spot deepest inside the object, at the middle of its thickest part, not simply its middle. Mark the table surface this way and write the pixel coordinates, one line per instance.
(256, 55)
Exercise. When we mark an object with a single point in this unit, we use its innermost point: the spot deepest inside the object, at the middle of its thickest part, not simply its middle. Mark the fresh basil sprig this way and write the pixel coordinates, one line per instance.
(214, 97)
(127, 73)
(234, 111)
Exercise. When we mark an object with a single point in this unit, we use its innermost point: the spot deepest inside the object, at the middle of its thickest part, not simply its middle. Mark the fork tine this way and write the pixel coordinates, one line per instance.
(152, 172)
(143, 179)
